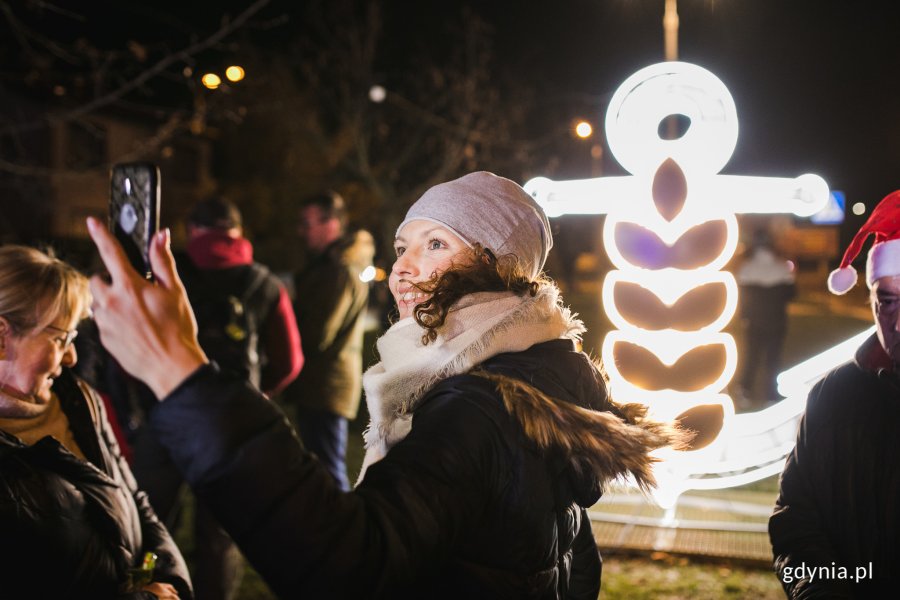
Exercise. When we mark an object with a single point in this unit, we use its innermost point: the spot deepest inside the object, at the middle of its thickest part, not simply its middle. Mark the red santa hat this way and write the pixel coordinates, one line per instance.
(884, 256)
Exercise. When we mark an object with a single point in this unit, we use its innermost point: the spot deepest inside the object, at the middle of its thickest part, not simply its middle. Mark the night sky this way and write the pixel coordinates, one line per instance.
(815, 82)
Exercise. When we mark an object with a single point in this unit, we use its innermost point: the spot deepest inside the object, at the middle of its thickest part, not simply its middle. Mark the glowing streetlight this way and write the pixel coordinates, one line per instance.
(670, 29)
(234, 73)
(583, 129)
(211, 81)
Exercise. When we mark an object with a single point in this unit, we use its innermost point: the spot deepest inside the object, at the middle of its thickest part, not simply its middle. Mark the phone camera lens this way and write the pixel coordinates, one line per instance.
(128, 218)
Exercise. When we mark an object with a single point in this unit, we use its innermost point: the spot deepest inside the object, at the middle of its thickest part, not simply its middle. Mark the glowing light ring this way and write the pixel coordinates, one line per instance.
(669, 285)
(655, 92)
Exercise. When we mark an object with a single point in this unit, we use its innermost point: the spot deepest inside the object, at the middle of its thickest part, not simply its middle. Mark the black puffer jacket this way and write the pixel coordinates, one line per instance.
(479, 500)
(70, 528)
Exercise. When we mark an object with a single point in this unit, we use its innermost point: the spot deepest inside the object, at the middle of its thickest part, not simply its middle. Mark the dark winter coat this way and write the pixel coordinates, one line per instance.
(481, 500)
(71, 528)
(330, 305)
(839, 503)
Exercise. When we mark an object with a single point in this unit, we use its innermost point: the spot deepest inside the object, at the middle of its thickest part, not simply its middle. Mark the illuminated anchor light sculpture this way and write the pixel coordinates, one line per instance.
(669, 230)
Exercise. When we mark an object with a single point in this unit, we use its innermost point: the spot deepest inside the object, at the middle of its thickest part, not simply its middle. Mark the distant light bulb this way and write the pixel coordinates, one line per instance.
(234, 73)
(377, 93)
(583, 129)
(211, 81)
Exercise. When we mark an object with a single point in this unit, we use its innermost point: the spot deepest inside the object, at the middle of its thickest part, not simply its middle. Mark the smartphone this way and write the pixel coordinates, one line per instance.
(134, 210)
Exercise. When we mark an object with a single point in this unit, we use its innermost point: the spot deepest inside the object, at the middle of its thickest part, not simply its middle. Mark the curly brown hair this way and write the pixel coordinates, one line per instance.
(480, 271)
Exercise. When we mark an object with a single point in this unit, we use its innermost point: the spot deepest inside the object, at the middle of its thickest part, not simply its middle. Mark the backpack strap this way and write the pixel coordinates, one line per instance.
(257, 276)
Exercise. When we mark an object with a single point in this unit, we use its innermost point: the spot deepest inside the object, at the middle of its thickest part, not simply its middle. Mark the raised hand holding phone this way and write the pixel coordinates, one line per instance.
(148, 327)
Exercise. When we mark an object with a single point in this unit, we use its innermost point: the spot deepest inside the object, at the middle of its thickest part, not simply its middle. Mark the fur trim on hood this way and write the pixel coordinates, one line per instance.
(595, 444)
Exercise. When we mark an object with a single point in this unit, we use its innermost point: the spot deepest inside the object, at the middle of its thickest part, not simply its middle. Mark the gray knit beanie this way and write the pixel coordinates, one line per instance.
(490, 210)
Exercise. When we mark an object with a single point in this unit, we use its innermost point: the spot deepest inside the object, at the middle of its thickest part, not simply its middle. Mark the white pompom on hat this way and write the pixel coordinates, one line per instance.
(884, 256)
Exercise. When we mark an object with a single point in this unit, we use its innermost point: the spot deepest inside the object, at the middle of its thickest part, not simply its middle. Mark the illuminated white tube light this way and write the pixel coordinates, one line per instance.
(670, 229)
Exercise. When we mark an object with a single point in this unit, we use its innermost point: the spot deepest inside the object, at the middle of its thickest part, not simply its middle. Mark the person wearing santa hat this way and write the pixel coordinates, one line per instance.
(839, 495)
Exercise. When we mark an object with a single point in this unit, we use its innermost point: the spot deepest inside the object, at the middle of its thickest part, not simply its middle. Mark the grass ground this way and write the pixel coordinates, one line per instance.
(658, 576)
(663, 577)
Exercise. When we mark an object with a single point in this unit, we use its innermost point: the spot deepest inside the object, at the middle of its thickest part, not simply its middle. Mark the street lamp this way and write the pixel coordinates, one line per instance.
(234, 73)
(211, 81)
(583, 129)
(670, 29)
(670, 36)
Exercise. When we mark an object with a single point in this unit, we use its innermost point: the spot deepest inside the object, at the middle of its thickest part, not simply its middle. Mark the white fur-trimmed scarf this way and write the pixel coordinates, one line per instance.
(480, 326)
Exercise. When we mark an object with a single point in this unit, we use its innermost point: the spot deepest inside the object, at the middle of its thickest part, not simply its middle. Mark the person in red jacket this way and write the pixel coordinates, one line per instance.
(220, 264)
(246, 324)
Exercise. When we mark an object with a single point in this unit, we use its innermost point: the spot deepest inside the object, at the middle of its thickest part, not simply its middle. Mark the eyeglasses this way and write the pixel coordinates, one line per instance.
(70, 335)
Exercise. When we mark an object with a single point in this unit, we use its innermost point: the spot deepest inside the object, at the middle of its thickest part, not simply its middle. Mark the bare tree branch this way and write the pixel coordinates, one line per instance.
(144, 77)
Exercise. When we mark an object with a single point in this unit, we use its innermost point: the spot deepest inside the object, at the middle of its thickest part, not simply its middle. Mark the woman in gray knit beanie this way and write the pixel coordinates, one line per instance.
(490, 432)
(481, 379)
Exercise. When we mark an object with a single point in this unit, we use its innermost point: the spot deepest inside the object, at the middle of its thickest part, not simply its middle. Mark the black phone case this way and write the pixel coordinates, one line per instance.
(134, 210)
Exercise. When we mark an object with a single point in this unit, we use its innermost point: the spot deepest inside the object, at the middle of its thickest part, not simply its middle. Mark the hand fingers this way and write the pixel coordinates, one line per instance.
(162, 262)
(99, 290)
(162, 590)
(111, 252)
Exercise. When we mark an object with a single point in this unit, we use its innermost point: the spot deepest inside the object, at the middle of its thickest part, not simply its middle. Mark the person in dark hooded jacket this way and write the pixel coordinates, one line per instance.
(490, 432)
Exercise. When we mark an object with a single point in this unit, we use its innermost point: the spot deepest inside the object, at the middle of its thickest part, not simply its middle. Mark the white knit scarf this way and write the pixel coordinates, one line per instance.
(478, 327)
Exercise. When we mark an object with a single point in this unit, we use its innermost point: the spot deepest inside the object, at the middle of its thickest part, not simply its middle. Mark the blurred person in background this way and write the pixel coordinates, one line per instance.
(839, 495)
(246, 324)
(490, 432)
(330, 304)
(74, 523)
(767, 284)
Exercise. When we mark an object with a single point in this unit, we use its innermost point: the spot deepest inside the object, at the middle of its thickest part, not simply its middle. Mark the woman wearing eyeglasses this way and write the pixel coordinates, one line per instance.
(72, 520)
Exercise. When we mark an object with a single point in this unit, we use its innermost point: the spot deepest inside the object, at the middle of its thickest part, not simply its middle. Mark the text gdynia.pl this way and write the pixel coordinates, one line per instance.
(789, 574)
